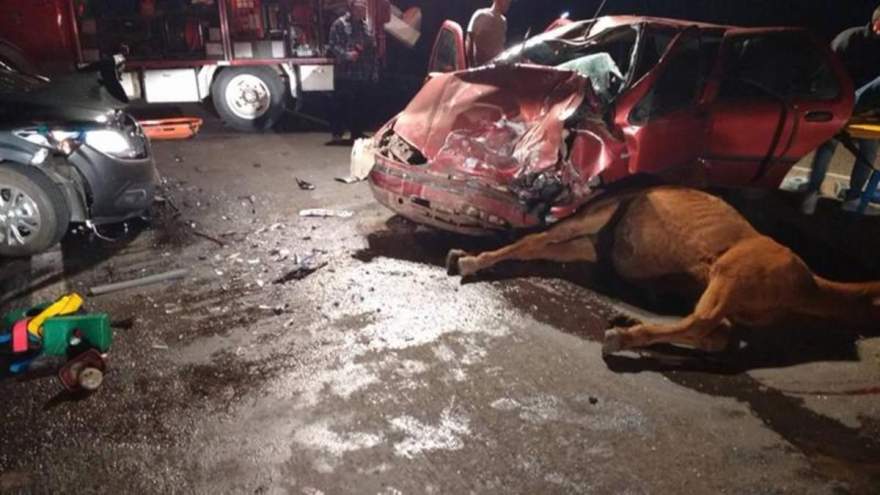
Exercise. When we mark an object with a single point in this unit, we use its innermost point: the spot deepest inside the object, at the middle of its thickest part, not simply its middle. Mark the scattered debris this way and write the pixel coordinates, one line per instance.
(208, 237)
(362, 159)
(279, 255)
(130, 284)
(125, 324)
(305, 186)
(795, 184)
(178, 158)
(302, 269)
(348, 180)
(325, 213)
(277, 310)
(39, 340)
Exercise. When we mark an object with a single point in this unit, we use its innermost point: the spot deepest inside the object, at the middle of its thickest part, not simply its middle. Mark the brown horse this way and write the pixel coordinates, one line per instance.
(663, 233)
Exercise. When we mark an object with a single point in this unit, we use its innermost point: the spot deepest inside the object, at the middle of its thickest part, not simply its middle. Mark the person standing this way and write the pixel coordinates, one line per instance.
(353, 48)
(859, 50)
(487, 33)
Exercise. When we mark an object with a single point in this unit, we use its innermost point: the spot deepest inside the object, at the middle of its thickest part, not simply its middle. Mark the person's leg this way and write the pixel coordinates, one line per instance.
(338, 108)
(861, 172)
(821, 161)
(362, 100)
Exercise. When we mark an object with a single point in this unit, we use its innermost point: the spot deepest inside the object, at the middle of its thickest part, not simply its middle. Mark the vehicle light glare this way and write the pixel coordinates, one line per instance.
(110, 142)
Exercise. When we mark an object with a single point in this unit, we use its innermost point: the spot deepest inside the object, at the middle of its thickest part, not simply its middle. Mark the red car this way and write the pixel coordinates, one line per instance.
(557, 120)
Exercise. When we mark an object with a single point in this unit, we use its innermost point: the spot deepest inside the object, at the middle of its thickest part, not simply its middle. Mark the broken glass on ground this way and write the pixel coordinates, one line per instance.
(303, 267)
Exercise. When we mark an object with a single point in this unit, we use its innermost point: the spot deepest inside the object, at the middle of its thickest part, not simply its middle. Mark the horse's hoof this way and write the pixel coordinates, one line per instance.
(452, 258)
(613, 341)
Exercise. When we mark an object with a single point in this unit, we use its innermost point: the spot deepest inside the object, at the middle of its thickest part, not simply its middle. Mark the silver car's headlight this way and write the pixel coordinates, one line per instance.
(110, 142)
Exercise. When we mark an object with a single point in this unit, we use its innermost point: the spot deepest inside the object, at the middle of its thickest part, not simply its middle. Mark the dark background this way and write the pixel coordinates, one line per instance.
(824, 17)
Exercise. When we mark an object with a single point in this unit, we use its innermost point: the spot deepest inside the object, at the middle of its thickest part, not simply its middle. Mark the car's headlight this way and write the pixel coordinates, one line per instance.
(111, 142)
(107, 141)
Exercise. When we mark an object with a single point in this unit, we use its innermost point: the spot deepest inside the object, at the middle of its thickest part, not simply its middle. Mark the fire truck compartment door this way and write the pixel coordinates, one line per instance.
(316, 77)
(171, 86)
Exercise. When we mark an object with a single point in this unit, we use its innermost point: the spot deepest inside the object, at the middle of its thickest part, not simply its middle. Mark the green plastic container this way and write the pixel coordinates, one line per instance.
(94, 328)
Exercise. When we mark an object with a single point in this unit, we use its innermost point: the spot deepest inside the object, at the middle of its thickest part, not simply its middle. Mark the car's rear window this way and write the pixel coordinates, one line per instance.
(787, 65)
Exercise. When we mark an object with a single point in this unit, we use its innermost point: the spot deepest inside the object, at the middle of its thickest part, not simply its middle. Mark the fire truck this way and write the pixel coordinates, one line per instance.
(251, 58)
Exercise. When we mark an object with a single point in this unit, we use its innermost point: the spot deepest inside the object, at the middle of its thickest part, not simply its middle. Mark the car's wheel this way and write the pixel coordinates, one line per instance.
(34, 215)
(249, 98)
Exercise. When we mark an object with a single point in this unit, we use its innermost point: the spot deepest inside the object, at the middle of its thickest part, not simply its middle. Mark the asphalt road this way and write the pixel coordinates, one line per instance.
(380, 374)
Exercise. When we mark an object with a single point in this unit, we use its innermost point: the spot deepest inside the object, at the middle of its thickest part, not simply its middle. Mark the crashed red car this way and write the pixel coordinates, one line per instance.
(557, 120)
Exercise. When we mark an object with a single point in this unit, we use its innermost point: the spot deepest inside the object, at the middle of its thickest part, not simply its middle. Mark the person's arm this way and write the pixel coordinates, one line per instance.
(472, 44)
(337, 42)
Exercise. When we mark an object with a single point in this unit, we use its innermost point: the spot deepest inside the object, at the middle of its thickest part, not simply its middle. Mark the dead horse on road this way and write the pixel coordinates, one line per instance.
(665, 233)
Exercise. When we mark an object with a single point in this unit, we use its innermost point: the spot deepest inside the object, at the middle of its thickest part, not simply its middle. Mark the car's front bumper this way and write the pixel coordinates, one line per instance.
(117, 189)
(447, 203)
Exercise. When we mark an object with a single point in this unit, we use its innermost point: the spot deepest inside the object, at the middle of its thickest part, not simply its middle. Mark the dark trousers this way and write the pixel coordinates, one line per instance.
(866, 96)
(350, 110)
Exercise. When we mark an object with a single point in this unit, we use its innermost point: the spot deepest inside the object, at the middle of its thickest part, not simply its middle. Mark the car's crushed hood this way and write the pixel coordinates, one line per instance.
(86, 96)
(501, 124)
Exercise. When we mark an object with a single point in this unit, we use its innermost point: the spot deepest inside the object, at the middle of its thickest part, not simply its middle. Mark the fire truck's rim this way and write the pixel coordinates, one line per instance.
(19, 217)
(248, 96)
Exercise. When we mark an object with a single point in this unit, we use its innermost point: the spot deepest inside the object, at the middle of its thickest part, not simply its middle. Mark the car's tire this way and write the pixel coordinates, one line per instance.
(249, 99)
(28, 198)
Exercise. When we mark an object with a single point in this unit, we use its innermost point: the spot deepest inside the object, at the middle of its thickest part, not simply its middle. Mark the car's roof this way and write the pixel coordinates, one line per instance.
(622, 20)
(606, 22)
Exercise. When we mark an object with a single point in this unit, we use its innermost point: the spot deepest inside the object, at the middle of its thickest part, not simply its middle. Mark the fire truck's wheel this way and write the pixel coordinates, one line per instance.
(249, 98)
(34, 215)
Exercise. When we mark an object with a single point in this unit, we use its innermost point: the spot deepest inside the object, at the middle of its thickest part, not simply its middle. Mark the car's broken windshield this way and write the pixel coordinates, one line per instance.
(543, 48)
(604, 59)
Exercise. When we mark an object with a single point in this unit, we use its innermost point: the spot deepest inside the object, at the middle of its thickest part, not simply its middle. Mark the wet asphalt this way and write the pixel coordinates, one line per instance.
(369, 370)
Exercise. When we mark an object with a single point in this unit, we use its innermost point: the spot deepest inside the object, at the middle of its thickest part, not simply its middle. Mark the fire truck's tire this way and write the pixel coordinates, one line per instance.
(34, 207)
(249, 99)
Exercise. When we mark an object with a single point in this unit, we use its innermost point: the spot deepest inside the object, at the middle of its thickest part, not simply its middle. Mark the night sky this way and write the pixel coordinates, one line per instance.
(825, 17)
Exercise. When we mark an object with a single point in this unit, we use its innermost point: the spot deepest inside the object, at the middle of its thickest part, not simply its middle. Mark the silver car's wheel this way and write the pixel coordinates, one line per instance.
(34, 214)
(19, 217)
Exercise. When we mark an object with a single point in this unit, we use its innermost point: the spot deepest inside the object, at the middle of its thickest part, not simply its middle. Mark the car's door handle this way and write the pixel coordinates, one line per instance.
(819, 116)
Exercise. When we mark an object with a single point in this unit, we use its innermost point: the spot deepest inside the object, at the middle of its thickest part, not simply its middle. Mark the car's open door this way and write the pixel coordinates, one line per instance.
(660, 116)
(777, 94)
(448, 54)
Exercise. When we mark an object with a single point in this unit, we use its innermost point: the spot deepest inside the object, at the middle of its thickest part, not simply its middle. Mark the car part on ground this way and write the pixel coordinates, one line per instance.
(580, 110)
(140, 282)
(56, 337)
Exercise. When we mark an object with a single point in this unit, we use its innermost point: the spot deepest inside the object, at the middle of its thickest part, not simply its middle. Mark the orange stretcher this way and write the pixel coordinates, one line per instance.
(173, 128)
(864, 129)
